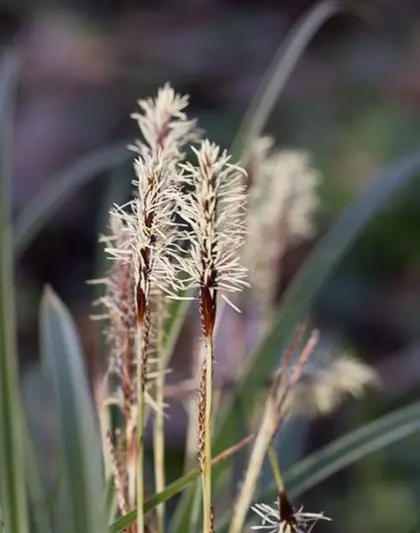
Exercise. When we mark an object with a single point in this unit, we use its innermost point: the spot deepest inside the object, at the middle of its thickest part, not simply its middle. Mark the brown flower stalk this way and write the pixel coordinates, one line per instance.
(214, 212)
(118, 476)
(159, 425)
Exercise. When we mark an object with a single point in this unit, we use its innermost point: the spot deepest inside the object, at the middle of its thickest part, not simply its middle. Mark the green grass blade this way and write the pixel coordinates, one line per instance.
(278, 73)
(416, 528)
(309, 280)
(36, 492)
(349, 449)
(344, 452)
(171, 490)
(111, 505)
(13, 495)
(177, 312)
(80, 445)
(52, 198)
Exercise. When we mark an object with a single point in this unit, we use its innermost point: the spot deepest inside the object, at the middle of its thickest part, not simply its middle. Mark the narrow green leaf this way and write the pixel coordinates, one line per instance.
(36, 492)
(111, 504)
(350, 448)
(173, 324)
(342, 453)
(416, 528)
(276, 76)
(12, 470)
(187, 512)
(171, 490)
(47, 202)
(80, 445)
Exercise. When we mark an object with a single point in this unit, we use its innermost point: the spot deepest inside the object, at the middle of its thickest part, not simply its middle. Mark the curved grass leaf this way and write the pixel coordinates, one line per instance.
(80, 445)
(51, 199)
(344, 452)
(36, 493)
(279, 71)
(416, 528)
(349, 449)
(171, 490)
(176, 487)
(178, 310)
(13, 497)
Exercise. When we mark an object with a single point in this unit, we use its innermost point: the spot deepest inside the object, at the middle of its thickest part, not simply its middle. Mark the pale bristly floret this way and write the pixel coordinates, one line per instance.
(150, 225)
(282, 199)
(149, 216)
(272, 523)
(322, 388)
(215, 213)
(119, 311)
(164, 125)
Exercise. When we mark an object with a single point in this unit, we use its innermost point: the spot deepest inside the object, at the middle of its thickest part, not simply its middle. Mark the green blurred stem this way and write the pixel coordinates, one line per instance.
(141, 380)
(207, 501)
(159, 426)
(275, 466)
(259, 451)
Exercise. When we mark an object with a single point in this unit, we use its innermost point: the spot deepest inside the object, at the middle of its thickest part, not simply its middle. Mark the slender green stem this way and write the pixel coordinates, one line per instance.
(159, 426)
(140, 432)
(207, 499)
(252, 474)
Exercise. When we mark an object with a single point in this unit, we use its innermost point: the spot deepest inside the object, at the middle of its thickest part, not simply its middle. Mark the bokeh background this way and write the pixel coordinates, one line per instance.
(353, 102)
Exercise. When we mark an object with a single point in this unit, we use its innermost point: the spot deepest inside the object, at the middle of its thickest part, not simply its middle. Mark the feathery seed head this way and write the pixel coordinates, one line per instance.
(149, 216)
(215, 213)
(120, 313)
(164, 124)
(324, 385)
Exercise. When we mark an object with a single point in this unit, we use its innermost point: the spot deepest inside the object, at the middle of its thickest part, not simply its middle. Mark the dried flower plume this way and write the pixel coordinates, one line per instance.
(164, 124)
(281, 202)
(215, 213)
(323, 386)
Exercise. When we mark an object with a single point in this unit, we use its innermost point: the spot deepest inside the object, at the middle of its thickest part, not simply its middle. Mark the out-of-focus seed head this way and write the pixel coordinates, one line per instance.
(282, 199)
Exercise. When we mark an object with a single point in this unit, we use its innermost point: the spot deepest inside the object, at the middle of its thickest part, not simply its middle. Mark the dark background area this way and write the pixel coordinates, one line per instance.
(353, 102)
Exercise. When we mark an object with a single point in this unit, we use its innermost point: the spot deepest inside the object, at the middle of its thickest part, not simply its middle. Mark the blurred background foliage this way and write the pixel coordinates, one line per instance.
(353, 102)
